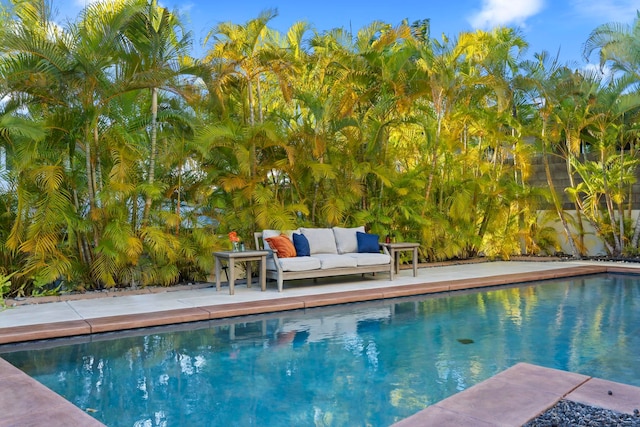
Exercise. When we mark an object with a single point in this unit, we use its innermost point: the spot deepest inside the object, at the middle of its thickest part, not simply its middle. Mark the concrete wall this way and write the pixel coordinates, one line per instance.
(558, 168)
(593, 243)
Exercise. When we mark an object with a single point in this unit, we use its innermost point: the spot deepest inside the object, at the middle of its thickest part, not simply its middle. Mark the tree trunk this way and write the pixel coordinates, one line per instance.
(610, 209)
(91, 181)
(152, 154)
(636, 233)
(556, 200)
(576, 202)
(434, 161)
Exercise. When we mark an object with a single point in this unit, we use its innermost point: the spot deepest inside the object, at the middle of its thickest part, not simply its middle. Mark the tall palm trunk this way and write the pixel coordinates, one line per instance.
(610, 208)
(91, 177)
(438, 101)
(576, 201)
(252, 117)
(152, 154)
(556, 200)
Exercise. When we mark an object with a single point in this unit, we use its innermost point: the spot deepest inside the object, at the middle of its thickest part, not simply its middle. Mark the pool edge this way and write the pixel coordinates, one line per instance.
(31, 404)
(521, 393)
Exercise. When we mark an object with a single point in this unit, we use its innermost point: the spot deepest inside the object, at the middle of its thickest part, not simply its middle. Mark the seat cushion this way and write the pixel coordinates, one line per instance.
(283, 245)
(368, 243)
(299, 263)
(370, 258)
(346, 240)
(321, 240)
(301, 244)
(328, 261)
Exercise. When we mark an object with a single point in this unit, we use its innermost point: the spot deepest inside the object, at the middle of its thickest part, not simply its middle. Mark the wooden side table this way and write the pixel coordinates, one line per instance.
(396, 248)
(241, 256)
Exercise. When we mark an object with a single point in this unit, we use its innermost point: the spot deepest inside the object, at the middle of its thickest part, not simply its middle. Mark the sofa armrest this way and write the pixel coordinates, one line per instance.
(273, 253)
(257, 237)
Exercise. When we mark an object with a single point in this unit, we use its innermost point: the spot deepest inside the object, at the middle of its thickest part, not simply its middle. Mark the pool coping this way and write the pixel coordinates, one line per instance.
(31, 403)
(521, 393)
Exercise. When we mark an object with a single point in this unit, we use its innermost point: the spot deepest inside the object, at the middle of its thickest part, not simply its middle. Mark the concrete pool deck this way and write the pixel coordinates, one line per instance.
(77, 315)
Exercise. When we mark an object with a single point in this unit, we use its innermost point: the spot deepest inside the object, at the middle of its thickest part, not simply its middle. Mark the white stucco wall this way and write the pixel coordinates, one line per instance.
(593, 243)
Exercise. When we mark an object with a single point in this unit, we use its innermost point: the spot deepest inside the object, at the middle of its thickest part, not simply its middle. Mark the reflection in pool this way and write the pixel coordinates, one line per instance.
(356, 364)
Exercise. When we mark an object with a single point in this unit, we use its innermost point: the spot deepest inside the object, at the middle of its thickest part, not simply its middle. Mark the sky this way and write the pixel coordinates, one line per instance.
(557, 26)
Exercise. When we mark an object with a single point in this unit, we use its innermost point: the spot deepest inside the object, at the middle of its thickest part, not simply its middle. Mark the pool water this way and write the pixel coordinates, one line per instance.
(369, 364)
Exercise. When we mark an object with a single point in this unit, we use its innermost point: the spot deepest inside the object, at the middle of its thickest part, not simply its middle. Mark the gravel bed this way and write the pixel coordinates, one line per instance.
(566, 413)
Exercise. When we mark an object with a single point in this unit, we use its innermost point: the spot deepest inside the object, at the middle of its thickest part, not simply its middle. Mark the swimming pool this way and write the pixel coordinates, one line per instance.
(356, 364)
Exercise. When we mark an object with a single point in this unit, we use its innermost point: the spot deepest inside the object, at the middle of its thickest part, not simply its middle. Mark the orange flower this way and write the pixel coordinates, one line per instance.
(233, 236)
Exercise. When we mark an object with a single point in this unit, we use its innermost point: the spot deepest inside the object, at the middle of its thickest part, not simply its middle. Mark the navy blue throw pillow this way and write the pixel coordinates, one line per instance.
(301, 244)
(368, 243)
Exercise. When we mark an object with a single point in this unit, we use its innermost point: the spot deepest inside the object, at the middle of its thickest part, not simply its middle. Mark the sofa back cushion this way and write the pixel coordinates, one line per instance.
(321, 240)
(301, 244)
(346, 241)
(368, 243)
(283, 245)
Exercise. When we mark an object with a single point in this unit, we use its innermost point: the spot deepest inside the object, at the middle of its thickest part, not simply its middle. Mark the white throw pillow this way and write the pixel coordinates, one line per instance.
(274, 233)
(346, 241)
(321, 240)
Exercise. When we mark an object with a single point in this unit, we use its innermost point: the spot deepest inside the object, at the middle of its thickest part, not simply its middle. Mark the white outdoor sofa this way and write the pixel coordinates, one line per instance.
(333, 252)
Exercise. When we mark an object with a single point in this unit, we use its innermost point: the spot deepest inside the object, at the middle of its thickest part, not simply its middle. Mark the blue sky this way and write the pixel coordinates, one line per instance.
(551, 25)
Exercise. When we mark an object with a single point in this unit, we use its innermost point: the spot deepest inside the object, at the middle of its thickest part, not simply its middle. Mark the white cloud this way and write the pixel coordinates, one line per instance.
(83, 3)
(605, 72)
(505, 12)
(607, 10)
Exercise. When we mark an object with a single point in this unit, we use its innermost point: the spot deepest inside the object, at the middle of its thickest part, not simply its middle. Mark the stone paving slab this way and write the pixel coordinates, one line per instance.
(623, 398)
(25, 315)
(26, 402)
(521, 393)
(43, 331)
(441, 417)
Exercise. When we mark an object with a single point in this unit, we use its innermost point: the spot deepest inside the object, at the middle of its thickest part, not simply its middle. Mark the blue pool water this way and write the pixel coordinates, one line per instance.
(357, 364)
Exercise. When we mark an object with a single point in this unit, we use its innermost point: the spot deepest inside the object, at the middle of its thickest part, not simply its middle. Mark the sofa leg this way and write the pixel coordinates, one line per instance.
(279, 284)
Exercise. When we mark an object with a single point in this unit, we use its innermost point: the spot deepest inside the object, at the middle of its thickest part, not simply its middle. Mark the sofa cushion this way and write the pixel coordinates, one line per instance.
(283, 245)
(370, 258)
(346, 240)
(328, 261)
(368, 243)
(301, 244)
(321, 240)
(299, 263)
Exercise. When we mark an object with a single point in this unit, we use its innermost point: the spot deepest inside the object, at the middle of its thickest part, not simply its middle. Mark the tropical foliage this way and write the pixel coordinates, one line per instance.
(127, 160)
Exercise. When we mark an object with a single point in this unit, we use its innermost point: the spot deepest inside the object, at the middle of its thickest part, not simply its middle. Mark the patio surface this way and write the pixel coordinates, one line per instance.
(493, 402)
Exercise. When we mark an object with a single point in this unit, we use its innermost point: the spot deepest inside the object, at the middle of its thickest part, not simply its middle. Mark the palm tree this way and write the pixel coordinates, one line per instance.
(159, 56)
(609, 177)
(543, 75)
(439, 62)
(236, 54)
(618, 45)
